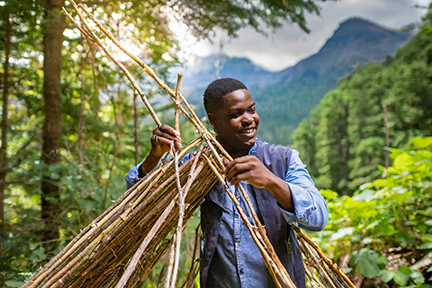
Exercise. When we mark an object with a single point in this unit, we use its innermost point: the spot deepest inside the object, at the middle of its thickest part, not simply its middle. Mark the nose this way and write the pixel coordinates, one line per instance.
(247, 119)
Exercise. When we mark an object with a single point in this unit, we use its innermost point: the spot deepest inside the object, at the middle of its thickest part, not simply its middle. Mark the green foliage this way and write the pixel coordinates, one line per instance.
(386, 225)
(345, 134)
(297, 90)
(97, 144)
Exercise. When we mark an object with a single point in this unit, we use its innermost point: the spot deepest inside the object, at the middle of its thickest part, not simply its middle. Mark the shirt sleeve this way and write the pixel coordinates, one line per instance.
(132, 175)
(310, 209)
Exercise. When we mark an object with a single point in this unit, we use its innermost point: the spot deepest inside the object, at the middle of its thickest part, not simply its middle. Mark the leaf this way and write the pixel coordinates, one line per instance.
(400, 278)
(421, 142)
(328, 194)
(427, 212)
(367, 263)
(428, 222)
(387, 275)
(14, 283)
(417, 277)
(402, 161)
(425, 246)
(405, 270)
(365, 196)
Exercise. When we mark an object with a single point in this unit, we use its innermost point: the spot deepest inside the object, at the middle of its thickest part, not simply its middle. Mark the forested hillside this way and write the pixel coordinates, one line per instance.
(286, 97)
(365, 146)
(379, 105)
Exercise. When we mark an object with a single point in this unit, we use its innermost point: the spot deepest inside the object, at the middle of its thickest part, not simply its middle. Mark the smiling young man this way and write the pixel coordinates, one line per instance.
(280, 188)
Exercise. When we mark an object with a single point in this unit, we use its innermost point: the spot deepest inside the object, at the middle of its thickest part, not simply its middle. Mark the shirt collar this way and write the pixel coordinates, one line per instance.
(252, 149)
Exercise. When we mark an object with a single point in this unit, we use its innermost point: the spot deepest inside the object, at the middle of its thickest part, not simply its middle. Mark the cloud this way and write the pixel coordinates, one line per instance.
(290, 44)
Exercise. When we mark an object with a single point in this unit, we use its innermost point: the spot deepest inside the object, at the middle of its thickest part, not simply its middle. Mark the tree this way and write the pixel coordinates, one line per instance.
(66, 184)
(14, 16)
(349, 131)
(53, 27)
(149, 16)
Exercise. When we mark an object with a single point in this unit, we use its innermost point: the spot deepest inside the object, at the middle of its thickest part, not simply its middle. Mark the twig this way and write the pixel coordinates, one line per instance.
(95, 39)
(136, 128)
(170, 265)
(330, 264)
(177, 102)
(131, 267)
(180, 219)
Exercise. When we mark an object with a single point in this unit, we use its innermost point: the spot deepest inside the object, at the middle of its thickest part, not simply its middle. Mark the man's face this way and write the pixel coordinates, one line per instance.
(236, 122)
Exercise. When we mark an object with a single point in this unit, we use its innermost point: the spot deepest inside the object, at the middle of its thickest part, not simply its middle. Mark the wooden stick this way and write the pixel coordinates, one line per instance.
(330, 264)
(121, 66)
(177, 102)
(132, 265)
(271, 262)
(180, 220)
(170, 265)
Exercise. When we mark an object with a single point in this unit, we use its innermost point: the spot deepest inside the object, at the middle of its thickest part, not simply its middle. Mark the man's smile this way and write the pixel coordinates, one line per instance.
(250, 132)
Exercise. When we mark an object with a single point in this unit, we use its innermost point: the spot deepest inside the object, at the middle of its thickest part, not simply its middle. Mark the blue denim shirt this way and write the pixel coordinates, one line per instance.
(237, 257)
(306, 196)
(235, 242)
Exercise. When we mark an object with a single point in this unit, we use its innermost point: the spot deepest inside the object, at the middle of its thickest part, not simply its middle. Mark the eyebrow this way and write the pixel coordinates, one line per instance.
(240, 109)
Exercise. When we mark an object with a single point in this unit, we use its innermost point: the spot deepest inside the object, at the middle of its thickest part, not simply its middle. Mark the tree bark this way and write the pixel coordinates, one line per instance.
(4, 165)
(54, 25)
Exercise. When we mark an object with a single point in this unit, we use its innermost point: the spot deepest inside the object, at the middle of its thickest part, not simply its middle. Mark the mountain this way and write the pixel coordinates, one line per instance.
(286, 97)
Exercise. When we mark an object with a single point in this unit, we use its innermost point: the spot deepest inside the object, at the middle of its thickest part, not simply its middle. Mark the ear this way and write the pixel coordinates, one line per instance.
(212, 120)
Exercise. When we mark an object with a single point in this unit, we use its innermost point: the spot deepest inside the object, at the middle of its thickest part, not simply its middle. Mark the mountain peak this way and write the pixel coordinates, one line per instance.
(358, 25)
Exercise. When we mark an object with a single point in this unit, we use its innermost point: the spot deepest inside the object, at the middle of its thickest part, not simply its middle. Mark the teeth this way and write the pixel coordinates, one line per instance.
(248, 131)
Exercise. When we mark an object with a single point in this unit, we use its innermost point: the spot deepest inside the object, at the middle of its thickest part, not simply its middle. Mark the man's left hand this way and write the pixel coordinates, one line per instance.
(250, 169)
(254, 172)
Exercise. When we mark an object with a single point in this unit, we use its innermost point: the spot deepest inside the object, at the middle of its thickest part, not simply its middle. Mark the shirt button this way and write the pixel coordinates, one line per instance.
(236, 219)
(237, 243)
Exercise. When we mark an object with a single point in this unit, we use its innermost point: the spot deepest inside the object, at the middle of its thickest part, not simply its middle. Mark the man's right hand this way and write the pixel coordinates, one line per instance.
(162, 139)
(160, 143)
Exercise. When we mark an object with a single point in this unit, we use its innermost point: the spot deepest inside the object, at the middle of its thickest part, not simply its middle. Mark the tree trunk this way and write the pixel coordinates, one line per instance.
(4, 165)
(54, 26)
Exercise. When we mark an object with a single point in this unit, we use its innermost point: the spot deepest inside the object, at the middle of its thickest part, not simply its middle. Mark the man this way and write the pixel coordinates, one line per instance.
(280, 188)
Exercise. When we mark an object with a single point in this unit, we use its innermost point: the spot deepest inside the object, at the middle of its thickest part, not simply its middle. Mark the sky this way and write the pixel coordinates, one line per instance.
(289, 44)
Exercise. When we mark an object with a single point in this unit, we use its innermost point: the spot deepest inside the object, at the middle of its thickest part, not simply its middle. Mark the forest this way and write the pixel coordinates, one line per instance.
(367, 145)
(72, 127)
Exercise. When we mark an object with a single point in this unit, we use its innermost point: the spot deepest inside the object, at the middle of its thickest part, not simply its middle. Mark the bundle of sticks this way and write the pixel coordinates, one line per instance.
(121, 246)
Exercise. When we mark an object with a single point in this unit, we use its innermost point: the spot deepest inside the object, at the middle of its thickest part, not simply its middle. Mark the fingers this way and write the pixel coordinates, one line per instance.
(169, 130)
(244, 159)
(240, 169)
(162, 138)
(236, 179)
(165, 135)
(237, 169)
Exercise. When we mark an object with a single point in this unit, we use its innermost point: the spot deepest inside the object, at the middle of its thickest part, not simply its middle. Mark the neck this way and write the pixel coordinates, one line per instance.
(234, 151)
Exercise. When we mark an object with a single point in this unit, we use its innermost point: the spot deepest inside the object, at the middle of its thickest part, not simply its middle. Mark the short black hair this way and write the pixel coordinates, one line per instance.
(217, 90)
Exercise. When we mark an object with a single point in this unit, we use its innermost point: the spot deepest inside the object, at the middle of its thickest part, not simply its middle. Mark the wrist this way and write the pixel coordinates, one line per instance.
(281, 192)
(153, 155)
(273, 183)
(149, 163)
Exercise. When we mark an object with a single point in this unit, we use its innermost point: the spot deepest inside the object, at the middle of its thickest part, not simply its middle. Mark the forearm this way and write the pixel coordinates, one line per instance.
(281, 192)
(150, 162)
